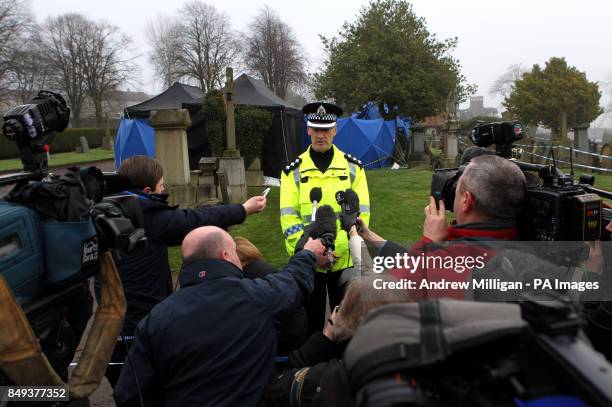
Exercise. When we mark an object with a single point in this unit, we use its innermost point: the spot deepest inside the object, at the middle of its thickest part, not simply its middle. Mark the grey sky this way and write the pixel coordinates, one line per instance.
(493, 34)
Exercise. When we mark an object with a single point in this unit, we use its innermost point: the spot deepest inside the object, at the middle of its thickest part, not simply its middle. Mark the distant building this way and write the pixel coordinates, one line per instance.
(434, 125)
(477, 109)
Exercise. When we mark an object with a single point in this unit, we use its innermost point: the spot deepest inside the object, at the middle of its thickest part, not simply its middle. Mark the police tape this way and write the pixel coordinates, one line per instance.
(565, 148)
(566, 162)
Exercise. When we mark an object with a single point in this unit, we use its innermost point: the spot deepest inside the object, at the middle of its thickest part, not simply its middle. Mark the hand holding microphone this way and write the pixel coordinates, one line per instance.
(325, 230)
(349, 205)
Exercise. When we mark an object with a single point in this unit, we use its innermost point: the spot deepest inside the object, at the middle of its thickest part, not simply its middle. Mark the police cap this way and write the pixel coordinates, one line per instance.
(321, 115)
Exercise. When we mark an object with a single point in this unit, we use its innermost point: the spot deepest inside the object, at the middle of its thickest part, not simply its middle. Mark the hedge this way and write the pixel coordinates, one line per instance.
(63, 142)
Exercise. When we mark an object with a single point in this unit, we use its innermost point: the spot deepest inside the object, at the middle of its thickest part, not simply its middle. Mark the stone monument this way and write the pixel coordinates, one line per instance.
(254, 174)
(418, 155)
(450, 145)
(232, 164)
(171, 151)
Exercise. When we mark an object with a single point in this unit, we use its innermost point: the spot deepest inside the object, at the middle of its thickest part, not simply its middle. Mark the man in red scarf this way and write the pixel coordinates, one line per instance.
(489, 197)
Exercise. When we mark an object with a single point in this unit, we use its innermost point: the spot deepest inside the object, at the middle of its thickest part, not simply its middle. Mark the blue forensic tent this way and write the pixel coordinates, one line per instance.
(177, 96)
(134, 137)
(369, 111)
(371, 141)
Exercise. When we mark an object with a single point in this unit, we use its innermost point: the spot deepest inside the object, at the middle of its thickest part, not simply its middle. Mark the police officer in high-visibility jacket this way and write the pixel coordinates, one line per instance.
(322, 166)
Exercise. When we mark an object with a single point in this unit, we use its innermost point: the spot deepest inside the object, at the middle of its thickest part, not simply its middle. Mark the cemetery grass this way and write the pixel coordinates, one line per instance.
(61, 159)
(397, 200)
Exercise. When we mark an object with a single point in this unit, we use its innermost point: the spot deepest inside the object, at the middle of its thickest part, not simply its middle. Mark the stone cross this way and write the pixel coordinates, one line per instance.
(230, 128)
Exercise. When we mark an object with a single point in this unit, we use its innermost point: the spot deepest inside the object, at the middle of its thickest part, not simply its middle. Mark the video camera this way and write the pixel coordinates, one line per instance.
(556, 209)
(54, 228)
(449, 353)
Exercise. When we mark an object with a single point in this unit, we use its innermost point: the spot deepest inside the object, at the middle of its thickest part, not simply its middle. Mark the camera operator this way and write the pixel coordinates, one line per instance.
(489, 197)
(146, 275)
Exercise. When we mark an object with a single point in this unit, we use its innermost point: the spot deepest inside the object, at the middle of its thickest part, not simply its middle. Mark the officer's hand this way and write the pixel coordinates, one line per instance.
(435, 226)
(255, 205)
(315, 246)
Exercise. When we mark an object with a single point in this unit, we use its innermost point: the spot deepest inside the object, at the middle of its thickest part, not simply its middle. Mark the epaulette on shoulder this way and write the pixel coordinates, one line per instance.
(292, 166)
(354, 160)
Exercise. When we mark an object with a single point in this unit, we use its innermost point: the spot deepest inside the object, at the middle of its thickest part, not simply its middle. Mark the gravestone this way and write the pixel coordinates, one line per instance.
(84, 145)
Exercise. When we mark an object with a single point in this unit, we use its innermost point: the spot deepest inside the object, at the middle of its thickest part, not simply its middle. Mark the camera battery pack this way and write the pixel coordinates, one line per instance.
(586, 212)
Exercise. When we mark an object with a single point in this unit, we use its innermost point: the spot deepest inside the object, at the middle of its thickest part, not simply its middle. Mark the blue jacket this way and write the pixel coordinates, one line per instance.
(146, 275)
(212, 343)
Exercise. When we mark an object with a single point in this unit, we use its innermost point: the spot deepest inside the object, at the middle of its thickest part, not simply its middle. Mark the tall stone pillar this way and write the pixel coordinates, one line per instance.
(171, 151)
(448, 158)
(581, 142)
(232, 164)
(581, 136)
(418, 156)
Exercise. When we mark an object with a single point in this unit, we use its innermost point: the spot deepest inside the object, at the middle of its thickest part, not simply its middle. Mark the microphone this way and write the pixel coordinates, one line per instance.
(315, 197)
(349, 206)
(325, 230)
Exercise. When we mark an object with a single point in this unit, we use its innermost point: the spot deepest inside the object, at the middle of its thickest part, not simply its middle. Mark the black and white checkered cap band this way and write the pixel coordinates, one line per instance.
(322, 117)
(323, 121)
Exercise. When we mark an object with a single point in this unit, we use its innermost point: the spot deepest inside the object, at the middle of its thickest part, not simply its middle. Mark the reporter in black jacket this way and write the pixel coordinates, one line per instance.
(212, 343)
(146, 275)
(292, 327)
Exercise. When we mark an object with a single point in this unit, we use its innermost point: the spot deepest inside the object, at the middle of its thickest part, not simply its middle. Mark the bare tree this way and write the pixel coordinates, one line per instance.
(164, 39)
(504, 84)
(64, 38)
(86, 58)
(273, 53)
(207, 45)
(15, 21)
(29, 71)
(105, 63)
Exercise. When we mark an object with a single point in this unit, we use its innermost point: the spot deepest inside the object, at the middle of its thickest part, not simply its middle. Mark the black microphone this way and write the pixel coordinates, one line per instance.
(349, 206)
(325, 230)
(315, 197)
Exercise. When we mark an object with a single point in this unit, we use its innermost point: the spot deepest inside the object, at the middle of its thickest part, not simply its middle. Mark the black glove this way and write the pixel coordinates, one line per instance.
(349, 203)
(347, 220)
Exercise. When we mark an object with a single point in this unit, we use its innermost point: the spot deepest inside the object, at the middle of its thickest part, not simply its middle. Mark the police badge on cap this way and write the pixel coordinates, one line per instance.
(321, 115)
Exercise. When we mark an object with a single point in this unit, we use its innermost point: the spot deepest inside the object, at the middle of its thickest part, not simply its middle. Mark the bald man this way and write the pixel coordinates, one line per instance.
(212, 343)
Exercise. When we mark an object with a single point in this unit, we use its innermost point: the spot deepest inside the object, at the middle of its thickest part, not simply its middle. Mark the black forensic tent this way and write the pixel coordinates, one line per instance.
(282, 142)
(175, 97)
(180, 96)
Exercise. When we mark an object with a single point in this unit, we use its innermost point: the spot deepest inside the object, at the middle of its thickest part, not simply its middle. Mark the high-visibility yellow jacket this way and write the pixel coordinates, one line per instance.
(300, 177)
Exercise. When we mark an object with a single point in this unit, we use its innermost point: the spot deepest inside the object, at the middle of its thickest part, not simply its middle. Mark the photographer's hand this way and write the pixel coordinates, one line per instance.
(435, 227)
(328, 330)
(366, 234)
